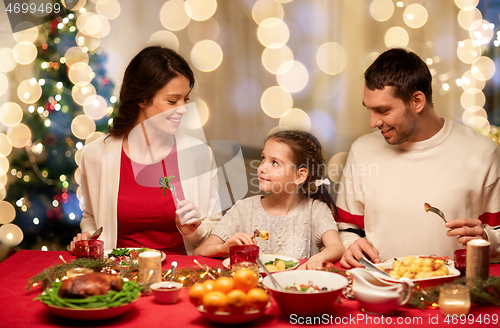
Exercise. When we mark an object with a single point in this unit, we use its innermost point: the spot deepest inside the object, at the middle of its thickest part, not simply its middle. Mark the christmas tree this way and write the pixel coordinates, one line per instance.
(75, 104)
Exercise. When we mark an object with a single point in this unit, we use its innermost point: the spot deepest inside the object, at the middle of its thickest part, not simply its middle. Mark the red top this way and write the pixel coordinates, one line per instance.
(146, 218)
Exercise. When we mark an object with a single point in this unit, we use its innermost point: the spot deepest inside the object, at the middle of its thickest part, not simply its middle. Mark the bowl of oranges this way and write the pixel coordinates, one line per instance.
(230, 300)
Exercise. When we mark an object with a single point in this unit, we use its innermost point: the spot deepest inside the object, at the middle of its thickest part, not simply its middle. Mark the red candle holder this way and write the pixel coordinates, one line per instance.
(243, 253)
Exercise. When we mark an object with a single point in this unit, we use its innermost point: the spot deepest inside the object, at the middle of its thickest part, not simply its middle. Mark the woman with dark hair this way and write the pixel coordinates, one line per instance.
(297, 212)
(174, 214)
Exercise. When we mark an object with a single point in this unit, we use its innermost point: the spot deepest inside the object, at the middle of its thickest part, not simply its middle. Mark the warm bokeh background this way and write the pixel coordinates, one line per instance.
(260, 66)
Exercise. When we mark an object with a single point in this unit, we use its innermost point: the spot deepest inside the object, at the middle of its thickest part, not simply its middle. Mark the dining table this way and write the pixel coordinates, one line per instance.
(19, 309)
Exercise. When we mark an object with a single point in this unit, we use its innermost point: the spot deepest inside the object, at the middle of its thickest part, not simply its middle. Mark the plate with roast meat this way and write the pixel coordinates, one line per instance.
(92, 296)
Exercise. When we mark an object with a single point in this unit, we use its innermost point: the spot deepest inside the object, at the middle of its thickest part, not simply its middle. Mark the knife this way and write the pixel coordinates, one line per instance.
(96, 234)
(370, 266)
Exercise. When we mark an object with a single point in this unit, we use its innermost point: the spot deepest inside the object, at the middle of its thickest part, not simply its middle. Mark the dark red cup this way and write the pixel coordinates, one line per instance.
(91, 248)
(243, 253)
(460, 260)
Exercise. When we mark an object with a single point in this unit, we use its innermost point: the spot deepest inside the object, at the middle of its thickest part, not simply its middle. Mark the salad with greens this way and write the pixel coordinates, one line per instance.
(280, 265)
(305, 288)
(123, 255)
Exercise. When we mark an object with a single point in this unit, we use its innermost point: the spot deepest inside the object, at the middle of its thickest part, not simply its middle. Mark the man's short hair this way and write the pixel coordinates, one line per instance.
(405, 71)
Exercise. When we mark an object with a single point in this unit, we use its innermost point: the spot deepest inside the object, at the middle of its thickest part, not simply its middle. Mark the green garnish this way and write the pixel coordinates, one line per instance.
(113, 298)
(120, 252)
(165, 184)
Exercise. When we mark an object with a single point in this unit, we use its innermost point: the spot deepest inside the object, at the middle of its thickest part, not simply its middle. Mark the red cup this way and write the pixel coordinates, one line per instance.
(243, 253)
(460, 260)
(93, 249)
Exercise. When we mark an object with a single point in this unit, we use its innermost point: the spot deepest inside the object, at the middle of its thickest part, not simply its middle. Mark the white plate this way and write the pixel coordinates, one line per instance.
(387, 264)
(90, 314)
(231, 319)
(266, 258)
(163, 255)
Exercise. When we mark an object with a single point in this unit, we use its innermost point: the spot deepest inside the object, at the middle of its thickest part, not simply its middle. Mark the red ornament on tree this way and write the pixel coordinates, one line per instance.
(50, 139)
(53, 26)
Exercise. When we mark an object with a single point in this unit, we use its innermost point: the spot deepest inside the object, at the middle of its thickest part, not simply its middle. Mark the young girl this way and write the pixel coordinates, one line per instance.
(298, 211)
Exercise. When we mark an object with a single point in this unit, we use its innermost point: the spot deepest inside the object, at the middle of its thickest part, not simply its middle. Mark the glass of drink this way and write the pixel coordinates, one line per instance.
(243, 253)
(90, 248)
(460, 260)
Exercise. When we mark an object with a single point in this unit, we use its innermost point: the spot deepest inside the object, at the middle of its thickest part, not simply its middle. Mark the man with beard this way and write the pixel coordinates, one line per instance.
(420, 158)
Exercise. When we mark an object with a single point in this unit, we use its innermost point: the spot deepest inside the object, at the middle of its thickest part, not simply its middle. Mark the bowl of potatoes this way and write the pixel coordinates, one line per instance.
(424, 270)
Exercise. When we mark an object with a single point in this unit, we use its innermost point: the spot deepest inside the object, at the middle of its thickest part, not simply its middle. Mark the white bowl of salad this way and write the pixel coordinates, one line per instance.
(306, 292)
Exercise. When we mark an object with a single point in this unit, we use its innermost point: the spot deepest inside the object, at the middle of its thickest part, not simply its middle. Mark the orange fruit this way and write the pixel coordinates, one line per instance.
(224, 284)
(237, 301)
(215, 301)
(245, 279)
(209, 284)
(257, 298)
(196, 293)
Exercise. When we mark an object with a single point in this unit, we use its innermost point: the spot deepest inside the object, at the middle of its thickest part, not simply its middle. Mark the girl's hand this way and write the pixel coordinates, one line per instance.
(81, 236)
(302, 267)
(315, 260)
(239, 238)
(188, 213)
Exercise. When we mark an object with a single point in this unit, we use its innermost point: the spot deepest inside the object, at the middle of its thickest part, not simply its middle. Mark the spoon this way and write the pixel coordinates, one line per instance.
(435, 210)
(174, 265)
(276, 284)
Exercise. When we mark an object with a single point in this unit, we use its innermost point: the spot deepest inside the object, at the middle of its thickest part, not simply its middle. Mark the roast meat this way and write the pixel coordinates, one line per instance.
(89, 284)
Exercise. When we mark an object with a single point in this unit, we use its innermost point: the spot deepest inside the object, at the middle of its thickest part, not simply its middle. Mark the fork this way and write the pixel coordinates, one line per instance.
(435, 210)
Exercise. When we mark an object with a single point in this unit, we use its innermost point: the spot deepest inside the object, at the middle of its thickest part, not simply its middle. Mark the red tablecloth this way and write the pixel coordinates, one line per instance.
(19, 310)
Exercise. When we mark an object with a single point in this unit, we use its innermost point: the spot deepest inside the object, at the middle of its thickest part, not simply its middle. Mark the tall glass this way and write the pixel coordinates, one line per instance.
(149, 267)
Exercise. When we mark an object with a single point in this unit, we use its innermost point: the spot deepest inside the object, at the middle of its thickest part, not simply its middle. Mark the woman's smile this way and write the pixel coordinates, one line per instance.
(175, 121)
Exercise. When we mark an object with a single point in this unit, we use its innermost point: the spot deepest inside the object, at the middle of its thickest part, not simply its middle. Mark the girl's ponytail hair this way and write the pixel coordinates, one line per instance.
(323, 195)
(307, 153)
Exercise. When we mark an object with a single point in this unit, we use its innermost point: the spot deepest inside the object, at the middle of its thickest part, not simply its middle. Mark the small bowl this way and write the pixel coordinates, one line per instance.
(306, 304)
(165, 294)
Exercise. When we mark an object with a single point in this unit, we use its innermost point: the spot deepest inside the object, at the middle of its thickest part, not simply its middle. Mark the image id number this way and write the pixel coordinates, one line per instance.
(33, 8)
(471, 319)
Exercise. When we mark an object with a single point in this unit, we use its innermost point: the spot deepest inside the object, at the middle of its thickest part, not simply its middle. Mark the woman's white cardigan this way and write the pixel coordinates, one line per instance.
(100, 164)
